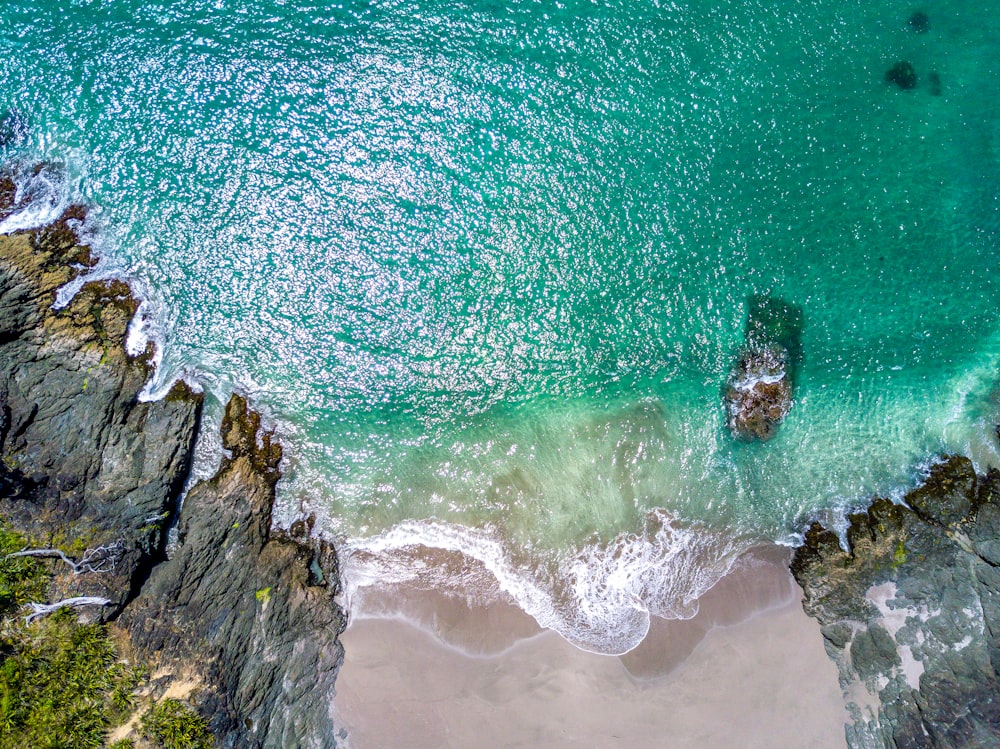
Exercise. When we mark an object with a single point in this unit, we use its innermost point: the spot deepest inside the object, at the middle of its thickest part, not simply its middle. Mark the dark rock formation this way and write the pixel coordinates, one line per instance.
(242, 614)
(254, 606)
(8, 195)
(919, 22)
(903, 75)
(911, 612)
(758, 394)
(80, 456)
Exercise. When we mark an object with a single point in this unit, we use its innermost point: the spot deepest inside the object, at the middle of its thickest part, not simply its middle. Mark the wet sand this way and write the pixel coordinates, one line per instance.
(749, 670)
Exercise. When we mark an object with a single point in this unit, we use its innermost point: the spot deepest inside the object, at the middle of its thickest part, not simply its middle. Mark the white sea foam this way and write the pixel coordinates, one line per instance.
(139, 330)
(40, 198)
(42, 195)
(600, 598)
(752, 379)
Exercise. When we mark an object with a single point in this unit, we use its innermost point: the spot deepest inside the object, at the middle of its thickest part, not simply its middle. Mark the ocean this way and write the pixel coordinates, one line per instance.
(485, 267)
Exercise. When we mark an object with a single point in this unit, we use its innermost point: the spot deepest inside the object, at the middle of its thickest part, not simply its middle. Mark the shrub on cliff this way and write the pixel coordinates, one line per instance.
(61, 682)
(173, 725)
(22, 579)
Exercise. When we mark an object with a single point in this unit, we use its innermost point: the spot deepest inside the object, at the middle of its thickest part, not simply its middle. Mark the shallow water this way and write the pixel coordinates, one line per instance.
(487, 266)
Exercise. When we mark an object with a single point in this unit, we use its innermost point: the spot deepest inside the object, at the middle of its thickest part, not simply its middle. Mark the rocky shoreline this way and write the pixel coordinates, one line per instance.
(239, 620)
(910, 611)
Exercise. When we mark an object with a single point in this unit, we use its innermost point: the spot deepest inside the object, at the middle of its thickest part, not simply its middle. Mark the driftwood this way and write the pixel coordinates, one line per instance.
(44, 609)
(100, 559)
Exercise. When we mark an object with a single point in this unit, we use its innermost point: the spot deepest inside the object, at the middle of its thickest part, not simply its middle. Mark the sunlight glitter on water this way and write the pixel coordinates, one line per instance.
(489, 267)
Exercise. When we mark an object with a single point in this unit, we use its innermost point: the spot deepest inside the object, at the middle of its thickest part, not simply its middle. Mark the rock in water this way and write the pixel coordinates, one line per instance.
(758, 395)
(903, 75)
(910, 612)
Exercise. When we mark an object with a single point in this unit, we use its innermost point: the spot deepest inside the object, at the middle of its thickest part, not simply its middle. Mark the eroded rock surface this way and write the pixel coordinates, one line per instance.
(911, 612)
(256, 607)
(758, 394)
(80, 457)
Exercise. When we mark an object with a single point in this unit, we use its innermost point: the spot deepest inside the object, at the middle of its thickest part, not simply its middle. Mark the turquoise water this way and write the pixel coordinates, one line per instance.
(486, 266)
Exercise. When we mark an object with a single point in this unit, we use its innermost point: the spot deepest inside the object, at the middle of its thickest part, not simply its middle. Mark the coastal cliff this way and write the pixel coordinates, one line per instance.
(910, 611)
(239, 620)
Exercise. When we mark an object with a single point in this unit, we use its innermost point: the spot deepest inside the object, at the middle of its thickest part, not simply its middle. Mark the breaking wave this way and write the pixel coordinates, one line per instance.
(41, 194)
(600, 598)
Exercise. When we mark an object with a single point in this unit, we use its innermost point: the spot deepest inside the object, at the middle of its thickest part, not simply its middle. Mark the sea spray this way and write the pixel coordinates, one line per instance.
(42, 193)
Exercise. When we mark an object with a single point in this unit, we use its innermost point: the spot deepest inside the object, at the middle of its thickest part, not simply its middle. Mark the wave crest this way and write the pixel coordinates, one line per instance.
(600, 598)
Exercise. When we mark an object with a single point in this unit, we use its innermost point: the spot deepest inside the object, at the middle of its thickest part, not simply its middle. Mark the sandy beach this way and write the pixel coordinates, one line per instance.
(749, 670)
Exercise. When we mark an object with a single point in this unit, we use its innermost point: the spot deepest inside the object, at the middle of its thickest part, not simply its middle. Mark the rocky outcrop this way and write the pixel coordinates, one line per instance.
(910, 611)
(758, 394)
(241, 614)
(82, 461)
(255, 607)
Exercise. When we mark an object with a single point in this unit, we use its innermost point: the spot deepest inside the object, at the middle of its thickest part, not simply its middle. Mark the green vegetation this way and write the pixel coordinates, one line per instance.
(899, 556)
(173, 725)
(61, 682)
(22, 579)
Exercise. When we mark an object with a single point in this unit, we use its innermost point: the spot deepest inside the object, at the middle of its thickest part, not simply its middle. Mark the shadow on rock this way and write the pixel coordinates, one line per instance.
(241, 615)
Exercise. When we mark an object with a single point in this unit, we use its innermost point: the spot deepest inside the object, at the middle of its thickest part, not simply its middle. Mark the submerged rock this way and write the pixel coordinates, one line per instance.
(758, 394)
(919, 22)
(903, 75)
(910, 611)
(934, 82)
